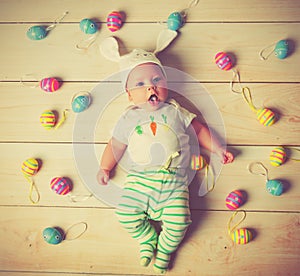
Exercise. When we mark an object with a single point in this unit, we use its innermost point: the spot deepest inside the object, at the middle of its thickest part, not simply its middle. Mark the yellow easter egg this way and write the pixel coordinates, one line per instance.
(197, 162)
(48, 119)
(241, 236)
(30, 167)
(265, 116)
(277, 156)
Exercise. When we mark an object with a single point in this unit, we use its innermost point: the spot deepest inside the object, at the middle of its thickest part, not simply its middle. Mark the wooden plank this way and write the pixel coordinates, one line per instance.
(137, 11)
(101, 249)
(233, 176)
(240, 122)
(57, 54)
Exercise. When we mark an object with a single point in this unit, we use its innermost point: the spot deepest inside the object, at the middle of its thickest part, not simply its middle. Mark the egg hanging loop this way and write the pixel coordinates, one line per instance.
(236, 77)
(56, 21)
(262, 52)
(192, 4)
(261, 165)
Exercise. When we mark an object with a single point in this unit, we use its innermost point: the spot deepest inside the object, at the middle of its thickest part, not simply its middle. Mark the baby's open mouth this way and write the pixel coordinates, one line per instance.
(153, 99)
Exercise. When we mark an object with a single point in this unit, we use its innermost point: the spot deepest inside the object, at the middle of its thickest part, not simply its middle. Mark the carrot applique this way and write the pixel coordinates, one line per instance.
(153, 125)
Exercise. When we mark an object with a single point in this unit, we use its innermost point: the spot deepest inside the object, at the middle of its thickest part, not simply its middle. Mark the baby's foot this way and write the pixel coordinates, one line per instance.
(147, 251)
(161, 263)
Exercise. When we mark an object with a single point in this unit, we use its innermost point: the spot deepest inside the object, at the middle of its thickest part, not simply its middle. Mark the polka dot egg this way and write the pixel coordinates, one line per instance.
(282, 49)
(266, 116)
(241, 236)
(114, 21)
(274, 187)
(30, 167)
(197, 162)
(52, 235)
(49, 84)
(234, 200)
(88, 26)
(36, 32)
(48, 119)
(277, 156)
(223, 61)
(60, 186)
(81, 102)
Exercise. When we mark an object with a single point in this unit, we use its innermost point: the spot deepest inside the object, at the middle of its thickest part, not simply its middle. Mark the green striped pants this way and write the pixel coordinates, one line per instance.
(158, 195)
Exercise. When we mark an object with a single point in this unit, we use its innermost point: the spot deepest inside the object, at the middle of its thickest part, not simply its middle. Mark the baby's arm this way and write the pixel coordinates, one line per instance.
(207, 141)
(113, 152)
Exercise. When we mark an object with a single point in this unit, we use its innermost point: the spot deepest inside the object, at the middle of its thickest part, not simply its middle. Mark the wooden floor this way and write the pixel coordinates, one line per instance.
(241, 28)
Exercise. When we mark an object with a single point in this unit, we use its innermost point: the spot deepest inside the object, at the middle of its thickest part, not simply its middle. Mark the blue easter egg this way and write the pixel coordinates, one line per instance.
(80, 103)
(88, 26)
(274, 187)
(52, 235)
(36, 32)
(175, 21)
(282, 49)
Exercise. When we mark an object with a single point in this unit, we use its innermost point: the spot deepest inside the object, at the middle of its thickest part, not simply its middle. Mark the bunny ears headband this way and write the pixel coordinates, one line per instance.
(110, 50)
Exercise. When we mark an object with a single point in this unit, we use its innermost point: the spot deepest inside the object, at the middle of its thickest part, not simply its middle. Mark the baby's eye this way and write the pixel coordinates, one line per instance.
(139, 84)
(157, 79)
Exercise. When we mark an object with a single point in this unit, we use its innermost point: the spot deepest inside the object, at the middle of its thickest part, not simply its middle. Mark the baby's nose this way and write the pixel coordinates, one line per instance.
(151, 88)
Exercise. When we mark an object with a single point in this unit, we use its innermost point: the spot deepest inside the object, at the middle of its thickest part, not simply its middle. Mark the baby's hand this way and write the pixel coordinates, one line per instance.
(103, 176)
(227, 157)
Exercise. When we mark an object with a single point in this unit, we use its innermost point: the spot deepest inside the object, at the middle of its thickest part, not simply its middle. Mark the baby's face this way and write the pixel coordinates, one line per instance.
(147, 86)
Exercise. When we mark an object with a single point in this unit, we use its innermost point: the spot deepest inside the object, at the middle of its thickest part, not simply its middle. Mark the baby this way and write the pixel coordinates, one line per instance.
(154, 133)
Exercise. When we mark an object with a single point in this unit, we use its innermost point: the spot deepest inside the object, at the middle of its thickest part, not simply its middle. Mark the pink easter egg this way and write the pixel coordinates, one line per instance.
(60, 185)
(223, 61)
(49, 84)
(234, 200)
(114, 21)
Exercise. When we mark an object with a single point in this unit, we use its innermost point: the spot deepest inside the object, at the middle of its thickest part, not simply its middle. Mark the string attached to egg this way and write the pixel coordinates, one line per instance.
(88, 27)
(280, 49)
(273, 186)
(198, 162)
(55, 235)
(40, 32)
(241, 235)
(29, 168)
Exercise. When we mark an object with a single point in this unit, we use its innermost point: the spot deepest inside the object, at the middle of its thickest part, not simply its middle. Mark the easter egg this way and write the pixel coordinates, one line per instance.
(281, 49)
(241, 236)
(80, 103)
(52, 235)
(277, 156)
(48, 119)
(36, 32)
(88, 26)
(197, 162)
(234, 200)
(175, 21)
(114, 21)
(60, 186)
(30, 167)
(49, 84)
(223, 61)
(266, 116)
(274, 187)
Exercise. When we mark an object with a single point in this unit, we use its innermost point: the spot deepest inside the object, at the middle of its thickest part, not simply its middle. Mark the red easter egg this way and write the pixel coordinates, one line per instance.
(60, 185)
(114, 21)
(234, 200)
(223, 61)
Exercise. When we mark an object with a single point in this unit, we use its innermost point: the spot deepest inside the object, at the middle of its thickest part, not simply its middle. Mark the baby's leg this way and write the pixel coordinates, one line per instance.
(176, 219)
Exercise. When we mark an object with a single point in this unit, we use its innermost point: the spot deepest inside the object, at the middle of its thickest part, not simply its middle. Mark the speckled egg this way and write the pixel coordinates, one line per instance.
(241, 236)
(36, 32)
(52, 235)
(47, 119)
(223, 61)
(277, 156)
(88, 26)
(30, 167)
(175, 21)
(81, 102)
(60, 185)
(274, 187)
(49, 84)
(114, 21)
(281, 49)
(234, 200)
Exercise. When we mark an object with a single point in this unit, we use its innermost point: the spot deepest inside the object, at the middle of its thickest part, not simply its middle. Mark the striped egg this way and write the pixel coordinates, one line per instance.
(114, 21)
(241, 236)
(274, 187)
(234, 200)
(88, 26)
(282, 49)
(197, 162)
(223, 61)
(60, 186)
(266, 116)
(277, 156)
(30, 167)
(52, 235)
(49, 84)
(36, 32)
(48, 119)
(175, 21)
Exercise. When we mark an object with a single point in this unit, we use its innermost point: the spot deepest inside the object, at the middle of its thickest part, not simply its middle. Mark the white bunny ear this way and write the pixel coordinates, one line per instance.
(165, 37)
(109, 48)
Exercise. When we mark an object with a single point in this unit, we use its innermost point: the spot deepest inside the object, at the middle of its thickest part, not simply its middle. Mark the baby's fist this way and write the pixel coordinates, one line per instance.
(103, 176)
